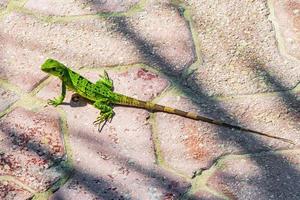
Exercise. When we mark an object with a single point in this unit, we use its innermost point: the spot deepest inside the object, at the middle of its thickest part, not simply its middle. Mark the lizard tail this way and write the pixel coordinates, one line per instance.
(124, 100)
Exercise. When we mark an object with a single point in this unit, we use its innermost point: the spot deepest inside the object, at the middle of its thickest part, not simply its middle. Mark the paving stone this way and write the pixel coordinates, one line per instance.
(239, 49)
(119, 162)
(30, 146)
(204, 195)
(136, 185)
(125, 156)
(265, 176)
(11, 191)
(188, 145)
(79, 7)
(117, 157)
(162, 36)
(19, 64)
(287, 16)
(83, 42)
(7, 98)
(3, 3)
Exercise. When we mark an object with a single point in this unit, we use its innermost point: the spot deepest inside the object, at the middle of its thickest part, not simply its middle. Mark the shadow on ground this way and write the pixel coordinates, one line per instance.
(96, 185)
(153, 59)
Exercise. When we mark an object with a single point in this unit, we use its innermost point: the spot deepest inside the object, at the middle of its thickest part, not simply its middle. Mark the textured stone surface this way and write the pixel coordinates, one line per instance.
(85, 42)
(30, 144)
(239, 49)
(132, 158)
(265, 176)
(204, 195)
(162, 36)
(287, 17)
(189, 145)
(19, 64)
(3, 3)
(79, 7)
(11, 191)
(128, 184)
(119, 162)
(6, 98)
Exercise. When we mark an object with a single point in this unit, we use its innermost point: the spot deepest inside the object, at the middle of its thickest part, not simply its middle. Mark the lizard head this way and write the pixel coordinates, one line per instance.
(53, 67)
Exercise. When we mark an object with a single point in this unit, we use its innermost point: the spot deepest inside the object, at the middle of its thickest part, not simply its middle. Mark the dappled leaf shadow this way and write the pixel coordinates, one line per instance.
(192, 90)
(154, 59)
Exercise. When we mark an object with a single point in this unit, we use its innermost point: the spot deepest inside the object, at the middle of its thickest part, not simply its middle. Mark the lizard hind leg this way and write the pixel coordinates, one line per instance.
(106, 113)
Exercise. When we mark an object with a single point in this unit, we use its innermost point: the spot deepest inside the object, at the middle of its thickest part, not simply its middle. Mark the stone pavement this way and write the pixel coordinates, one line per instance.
(237, 61)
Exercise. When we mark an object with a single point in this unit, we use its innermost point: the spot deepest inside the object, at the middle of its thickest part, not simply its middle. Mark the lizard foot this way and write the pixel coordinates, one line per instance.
(54, 102)
(103, 117)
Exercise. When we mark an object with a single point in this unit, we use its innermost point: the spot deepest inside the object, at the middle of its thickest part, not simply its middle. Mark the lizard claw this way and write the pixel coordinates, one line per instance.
(103, 117)
(99, 121)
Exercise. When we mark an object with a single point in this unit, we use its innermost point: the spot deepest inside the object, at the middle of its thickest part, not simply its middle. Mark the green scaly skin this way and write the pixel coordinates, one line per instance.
(102, 95)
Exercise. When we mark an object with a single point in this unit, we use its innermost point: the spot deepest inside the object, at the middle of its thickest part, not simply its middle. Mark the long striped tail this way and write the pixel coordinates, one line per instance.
(128, 101)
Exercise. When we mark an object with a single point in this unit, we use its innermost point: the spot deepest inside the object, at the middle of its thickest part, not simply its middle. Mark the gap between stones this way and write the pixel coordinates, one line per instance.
(199, 181)
(17, 182)
(29, 101)
(14, 6)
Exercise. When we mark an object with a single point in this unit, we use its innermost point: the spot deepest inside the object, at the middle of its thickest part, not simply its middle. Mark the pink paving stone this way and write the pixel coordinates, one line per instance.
(263, 176)
(79, 7)
(11, 191)
(31, 142)
(119, 162)
(239, 49)
(163, 36)
(189, 145)
(135, 82)
(201, 194)
(7, 98)
(144, 184)
(83, 42)
(20, 64)
(287, 16)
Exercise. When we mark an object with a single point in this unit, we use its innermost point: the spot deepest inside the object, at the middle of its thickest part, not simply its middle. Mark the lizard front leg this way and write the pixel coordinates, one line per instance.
(106, 81)
(56, 101)
(106, 112)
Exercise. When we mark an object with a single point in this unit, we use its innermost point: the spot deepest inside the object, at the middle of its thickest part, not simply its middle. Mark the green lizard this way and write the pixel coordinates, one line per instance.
(102, 95)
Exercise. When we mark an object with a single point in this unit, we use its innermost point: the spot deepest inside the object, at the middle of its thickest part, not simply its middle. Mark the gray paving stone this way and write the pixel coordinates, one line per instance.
(11, 191)
(162, 36)
(83, 42)
(188, 145)
(79, 7)
(7, 98)
(265, 176)
(30, 144)
(239, 49)
(287, 17)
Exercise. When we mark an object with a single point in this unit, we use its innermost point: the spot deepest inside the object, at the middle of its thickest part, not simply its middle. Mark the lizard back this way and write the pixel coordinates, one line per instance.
(86, 88)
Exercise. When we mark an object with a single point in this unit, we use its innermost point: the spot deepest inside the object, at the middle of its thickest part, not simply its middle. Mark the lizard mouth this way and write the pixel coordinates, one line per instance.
(53, 67)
